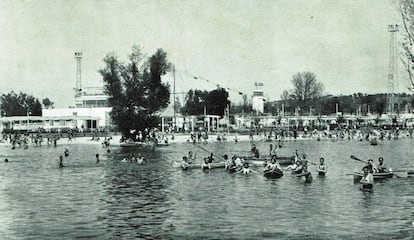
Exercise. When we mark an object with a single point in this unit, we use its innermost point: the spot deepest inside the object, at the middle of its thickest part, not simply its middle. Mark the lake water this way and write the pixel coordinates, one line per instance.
(112, 199)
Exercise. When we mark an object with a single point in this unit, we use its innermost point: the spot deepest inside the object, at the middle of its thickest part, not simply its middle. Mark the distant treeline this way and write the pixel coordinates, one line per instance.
(348, 104)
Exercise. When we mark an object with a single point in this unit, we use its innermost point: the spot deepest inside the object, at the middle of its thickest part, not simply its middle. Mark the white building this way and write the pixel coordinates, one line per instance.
(258, 101)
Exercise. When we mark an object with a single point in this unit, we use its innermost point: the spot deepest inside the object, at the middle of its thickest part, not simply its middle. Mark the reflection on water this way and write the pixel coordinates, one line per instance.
(126, 200)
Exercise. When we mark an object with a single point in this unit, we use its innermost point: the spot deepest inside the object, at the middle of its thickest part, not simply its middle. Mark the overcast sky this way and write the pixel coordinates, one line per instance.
(233, 43)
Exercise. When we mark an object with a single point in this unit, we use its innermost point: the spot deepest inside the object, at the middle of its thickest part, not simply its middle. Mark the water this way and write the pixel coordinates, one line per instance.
(125, 200)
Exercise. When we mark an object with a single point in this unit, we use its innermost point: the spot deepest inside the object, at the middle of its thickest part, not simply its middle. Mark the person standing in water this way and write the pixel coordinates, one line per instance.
(61, 161)
(97, 158)
(367, 180)
(322, 167)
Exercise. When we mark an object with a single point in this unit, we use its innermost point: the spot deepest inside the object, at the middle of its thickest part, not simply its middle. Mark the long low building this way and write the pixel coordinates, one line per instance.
(48, 123)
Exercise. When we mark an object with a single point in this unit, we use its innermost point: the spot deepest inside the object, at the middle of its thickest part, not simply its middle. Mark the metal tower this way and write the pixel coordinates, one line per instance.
(78, 87)
(392, 80)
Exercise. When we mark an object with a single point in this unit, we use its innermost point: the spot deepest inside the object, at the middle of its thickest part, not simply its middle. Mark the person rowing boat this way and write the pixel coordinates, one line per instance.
(382, 167)
(371, 167)
(273, 164)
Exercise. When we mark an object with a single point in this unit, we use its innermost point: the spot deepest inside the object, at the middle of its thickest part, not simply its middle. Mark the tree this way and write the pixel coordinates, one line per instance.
(136, 92)
(47, 103)
(306, 90)
(213, 102)
(407, 58)
(195, 101)
(21, 104)
(217, 101)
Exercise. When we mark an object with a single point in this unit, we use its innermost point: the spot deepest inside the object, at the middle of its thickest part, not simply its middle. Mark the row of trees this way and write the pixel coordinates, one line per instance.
(22, 104)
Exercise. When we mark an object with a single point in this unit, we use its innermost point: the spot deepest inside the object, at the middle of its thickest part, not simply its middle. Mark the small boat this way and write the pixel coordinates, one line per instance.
(162, 144)
(135, 144)
(377, 176)
(262, 160)
(373, 141)
(187, 166)
(273, 173)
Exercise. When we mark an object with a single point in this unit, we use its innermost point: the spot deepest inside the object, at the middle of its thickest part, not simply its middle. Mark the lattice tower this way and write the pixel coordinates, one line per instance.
(78, 86)
(392, 79)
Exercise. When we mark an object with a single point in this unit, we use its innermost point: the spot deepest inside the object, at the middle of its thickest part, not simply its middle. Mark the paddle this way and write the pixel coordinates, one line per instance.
(210, 152)
(400, 174)
(355, 158)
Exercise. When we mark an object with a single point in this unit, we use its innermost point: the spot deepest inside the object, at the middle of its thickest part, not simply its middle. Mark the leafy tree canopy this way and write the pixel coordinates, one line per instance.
(13, 104)
(47, 103)
(136, 92)
(214, 102)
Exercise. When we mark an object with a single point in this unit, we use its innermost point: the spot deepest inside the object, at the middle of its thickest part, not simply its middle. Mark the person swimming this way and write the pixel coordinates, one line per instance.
(245, 169)
(6, 160)
(66, 152)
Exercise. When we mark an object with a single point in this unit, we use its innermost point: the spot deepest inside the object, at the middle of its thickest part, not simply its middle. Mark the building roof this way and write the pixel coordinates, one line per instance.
(43, 118)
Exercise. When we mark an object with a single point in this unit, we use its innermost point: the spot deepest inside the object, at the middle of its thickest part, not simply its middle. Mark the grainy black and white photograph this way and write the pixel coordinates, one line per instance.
(191, 119)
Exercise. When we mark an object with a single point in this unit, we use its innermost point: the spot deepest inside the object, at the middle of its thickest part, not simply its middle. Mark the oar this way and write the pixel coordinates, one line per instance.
(355, 158)
(400, 174)
(210, 152)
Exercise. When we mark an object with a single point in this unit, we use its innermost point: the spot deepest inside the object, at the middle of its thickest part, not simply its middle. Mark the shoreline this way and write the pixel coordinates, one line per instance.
(185, 138)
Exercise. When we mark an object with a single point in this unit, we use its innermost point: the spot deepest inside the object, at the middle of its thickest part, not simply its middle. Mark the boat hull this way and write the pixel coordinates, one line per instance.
(273, 174)
(377, 176)
(198, 165)
(135, 144)
(261, 161)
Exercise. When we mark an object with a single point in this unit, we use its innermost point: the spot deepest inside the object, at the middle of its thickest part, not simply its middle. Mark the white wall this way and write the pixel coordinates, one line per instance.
(101, 113)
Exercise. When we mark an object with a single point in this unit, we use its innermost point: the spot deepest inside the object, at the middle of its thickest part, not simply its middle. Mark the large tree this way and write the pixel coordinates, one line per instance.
(306, 90)
(407, 14)
(136, 92)
(22, 104)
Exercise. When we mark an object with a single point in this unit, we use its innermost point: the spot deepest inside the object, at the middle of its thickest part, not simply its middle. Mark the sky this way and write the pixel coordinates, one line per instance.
(231, 43)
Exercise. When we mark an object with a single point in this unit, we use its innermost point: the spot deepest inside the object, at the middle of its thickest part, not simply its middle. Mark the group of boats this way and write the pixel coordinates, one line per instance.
(274, 166)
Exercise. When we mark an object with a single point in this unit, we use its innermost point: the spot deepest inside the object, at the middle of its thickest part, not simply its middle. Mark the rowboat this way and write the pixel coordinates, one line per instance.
(187, 166)
(135, 144)
(161, 144)
(377, 176)
(273, 173)
(262, 160)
